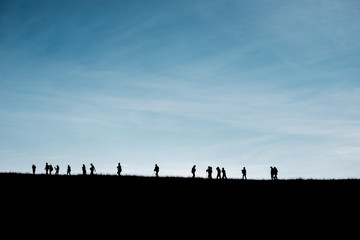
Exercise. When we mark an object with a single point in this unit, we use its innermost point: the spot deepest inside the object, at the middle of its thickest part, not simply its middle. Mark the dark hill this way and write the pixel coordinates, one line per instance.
(194, 189)
(101, 204)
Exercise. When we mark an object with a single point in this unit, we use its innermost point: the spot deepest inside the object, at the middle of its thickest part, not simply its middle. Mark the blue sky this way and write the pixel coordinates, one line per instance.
(222, 83)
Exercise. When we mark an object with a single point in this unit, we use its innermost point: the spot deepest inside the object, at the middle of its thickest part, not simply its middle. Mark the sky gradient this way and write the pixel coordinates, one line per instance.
(180, 83)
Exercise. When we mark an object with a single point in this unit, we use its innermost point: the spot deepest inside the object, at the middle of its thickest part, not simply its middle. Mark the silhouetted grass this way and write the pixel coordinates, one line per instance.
(169, 184)
(175, 201)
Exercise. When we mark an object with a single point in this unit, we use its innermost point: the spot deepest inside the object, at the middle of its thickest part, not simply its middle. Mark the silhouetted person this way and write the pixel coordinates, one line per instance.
(218, 175)
(275, 173)
(84, 169)
(243, 171)
(272, 173)
(156, 170)
(209, 171)
(47, 168)
(68, 170)
(50, 169)
(119, 169)
(57, 168)
(223, 173)
(92, 169)
(33, 168)
(193, 170)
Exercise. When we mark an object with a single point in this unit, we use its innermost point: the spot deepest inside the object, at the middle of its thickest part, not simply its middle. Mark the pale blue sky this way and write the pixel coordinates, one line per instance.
(222, 83)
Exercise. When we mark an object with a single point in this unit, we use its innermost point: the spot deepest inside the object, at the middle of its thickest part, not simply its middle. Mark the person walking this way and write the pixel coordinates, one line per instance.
(275, 173)
(156, 170)
(50, 169)
(218, 175)
(33, 168)
(272, 172)
(193, 170)
(92, 169)
(209, 171)
(84, 169)
(243, 171)
(68, 170)
(223, 173)
(57, 169)
(119, 169)
(46, 168)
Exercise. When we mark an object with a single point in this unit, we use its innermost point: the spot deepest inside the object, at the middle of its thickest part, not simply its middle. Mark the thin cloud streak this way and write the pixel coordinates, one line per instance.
(229, 83)
(247, 110)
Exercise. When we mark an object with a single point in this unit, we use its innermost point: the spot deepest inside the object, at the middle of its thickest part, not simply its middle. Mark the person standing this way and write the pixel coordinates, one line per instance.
(33, 168)
(243, 171)
(193, 170)
(84, 169)
(156, 170)
(119, 169)
(46, 168)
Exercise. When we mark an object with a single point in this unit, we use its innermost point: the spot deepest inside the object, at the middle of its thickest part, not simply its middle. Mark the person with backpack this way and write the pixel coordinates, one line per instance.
(92, 169)
(209, 171)
(243, 171)
(193, 170)
(119, 169)
(50, 169)
(275, 173)
(57, 168)
(156, 170)
(218, 175)
(223, 173)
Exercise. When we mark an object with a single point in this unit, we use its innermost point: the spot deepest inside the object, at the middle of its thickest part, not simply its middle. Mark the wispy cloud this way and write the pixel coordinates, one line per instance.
(225, 82)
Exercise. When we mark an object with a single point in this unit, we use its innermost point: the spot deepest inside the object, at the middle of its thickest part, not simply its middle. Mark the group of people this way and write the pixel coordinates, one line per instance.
(92, 169)
(221, 173)
(49, 168)
(273, 173)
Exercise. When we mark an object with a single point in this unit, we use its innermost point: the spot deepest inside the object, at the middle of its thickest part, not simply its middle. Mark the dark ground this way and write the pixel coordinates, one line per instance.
(41, 185)
(180, 205)
(127, 191)
(110, 188)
